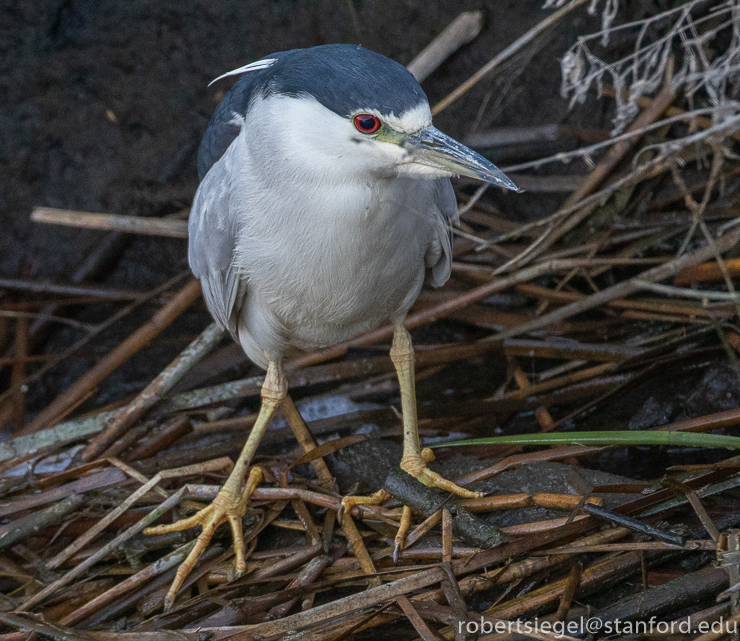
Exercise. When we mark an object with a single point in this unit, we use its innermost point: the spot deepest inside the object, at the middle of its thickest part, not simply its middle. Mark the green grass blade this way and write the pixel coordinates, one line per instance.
(651, 437)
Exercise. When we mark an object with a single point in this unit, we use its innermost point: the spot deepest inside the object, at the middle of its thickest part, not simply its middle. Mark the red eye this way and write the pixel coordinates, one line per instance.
(366, 123)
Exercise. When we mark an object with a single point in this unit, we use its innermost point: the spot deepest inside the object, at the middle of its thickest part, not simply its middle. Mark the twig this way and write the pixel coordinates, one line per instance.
(25, 526)
(132, 224)
(163, 382)
(46, 317)
(706, 272)
(459, 32)
(681, 292)
(507, 53)
(52, 630)
(634, 524)
(171, 431)
(95, 291)
(413, 616)
(687, 590)
(106, 478)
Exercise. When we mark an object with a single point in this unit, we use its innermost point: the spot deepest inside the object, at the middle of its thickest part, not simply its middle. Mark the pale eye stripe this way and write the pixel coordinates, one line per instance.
(410, 121)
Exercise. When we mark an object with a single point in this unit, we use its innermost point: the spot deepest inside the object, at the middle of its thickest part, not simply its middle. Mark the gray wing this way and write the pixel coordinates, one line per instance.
(212, 230)
(212, 237)
(438, 258)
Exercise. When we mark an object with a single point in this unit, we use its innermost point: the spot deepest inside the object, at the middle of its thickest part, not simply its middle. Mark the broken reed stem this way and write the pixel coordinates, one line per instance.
(162, 384)
(88, 381)
(355, 540)
(459, 32)
(170, 227)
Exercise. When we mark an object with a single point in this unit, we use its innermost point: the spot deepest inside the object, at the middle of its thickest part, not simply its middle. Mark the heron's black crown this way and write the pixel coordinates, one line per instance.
(345, 79)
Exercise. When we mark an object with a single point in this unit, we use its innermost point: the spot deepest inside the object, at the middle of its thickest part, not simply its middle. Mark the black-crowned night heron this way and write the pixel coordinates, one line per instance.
(324, 203)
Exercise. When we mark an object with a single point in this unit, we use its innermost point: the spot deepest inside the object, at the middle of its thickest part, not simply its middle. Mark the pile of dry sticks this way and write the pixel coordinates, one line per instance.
(646, 238)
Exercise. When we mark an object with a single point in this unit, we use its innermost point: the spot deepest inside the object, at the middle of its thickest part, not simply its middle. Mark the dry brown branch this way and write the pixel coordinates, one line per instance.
(458, 33)
(83, 386)
(166, 380)
(113, 222)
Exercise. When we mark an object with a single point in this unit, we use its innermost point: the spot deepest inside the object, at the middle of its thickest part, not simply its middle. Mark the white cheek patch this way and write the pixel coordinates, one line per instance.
(409, 122)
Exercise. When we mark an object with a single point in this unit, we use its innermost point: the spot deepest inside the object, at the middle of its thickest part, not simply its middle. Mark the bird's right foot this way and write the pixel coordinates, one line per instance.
(229, 505)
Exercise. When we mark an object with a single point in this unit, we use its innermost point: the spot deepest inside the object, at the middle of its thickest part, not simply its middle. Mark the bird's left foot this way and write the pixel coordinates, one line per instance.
(349, 502)
(416, 466)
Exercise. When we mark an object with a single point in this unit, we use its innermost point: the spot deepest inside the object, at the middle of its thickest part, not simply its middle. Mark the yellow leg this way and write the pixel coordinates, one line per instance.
(231, 502)
(415, 460)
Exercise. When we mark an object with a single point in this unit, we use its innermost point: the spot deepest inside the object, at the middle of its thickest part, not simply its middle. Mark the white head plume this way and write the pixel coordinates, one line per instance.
(252, 66)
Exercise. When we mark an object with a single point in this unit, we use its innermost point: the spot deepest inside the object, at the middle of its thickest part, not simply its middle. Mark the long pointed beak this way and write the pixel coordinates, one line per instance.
(433, 148)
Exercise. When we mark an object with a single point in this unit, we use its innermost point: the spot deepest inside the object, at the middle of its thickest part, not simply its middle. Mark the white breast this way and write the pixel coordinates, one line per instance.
(325, 255)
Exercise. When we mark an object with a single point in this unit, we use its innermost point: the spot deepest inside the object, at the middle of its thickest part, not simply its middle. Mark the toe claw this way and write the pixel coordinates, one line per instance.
(396, 554)
(168, 603)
